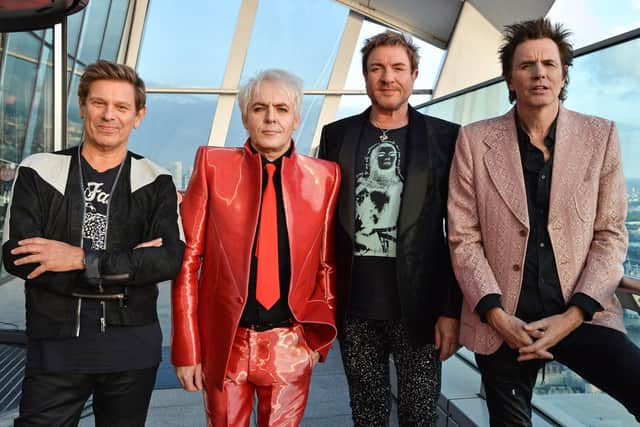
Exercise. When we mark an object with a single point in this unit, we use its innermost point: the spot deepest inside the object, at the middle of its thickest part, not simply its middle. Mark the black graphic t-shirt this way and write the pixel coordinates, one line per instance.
(98, 350)
(378, 193)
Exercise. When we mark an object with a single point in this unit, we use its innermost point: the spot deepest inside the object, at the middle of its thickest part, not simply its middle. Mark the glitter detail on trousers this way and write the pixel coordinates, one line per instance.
(366, 346)
(276, 366)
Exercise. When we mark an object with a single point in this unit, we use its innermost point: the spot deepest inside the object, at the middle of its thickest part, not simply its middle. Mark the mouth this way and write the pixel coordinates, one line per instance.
(270, 132)
(539, 88)
(107, 129)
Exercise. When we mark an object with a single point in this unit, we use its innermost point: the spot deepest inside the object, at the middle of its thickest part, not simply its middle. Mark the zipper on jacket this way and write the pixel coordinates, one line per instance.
(78, 317)
(103, 314)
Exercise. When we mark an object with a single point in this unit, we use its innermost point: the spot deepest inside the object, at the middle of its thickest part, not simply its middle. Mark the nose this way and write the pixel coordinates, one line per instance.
(270, 115)
(386, 75)
(108, 112)
(538, 70)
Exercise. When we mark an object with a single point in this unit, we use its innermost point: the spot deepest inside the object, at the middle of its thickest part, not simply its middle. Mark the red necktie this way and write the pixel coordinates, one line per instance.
(268, 281)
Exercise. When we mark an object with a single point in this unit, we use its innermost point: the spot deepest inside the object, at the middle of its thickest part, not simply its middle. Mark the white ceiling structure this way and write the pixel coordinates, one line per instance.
(434, 20)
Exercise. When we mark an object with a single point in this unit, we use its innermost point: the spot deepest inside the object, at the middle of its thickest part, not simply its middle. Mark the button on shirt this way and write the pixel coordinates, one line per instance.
(541, 294)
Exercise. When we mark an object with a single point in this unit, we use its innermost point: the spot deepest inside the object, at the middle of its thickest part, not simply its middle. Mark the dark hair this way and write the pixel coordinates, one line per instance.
(390, 38)
(540, 28)
(107, 70)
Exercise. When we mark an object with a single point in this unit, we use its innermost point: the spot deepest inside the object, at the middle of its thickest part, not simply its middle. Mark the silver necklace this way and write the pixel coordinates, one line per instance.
(384, 135)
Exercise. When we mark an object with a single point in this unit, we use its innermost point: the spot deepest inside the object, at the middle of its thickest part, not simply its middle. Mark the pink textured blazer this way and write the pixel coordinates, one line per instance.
(489, 222)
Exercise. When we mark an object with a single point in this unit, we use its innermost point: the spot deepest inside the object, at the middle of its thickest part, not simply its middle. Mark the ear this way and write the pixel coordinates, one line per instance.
(414, 74)
(244, 121)
(83, 108)
(139, 116)
(296, 121)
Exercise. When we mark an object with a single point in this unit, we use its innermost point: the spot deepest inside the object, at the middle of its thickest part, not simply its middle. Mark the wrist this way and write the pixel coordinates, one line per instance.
(494, 315)
(575, 315)
(82, 264)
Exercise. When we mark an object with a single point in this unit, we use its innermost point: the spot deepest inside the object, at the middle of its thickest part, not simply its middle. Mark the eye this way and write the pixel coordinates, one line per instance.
(283, 109)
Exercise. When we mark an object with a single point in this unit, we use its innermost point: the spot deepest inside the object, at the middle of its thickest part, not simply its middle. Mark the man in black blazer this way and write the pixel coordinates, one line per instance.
(397, 293)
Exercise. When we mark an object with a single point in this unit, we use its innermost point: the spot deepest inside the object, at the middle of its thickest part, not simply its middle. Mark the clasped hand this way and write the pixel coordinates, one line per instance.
(533, 340)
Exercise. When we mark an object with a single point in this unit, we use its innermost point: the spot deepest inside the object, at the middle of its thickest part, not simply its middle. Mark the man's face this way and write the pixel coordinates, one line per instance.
(389, 78)
(270, 120)
(386, 157)
(537, 74)
(109, 114)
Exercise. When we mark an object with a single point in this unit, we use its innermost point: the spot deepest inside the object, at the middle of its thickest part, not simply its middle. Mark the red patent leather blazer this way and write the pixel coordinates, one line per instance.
(220, 214)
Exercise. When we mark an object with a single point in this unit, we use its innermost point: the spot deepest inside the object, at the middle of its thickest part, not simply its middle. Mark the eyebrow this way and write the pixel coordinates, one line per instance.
(99, 98)
(265, 104)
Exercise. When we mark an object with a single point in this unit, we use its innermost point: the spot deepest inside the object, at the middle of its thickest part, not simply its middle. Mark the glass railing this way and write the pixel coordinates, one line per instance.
(604, 81)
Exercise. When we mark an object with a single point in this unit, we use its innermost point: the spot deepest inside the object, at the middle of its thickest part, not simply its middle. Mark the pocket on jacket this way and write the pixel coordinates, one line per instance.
(585, 208)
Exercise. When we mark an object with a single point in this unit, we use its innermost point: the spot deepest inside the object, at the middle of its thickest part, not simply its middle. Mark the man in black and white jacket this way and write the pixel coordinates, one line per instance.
(92, 229)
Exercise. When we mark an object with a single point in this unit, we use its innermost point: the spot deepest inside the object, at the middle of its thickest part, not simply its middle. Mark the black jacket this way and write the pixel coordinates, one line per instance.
(426, 283)
(47, 201)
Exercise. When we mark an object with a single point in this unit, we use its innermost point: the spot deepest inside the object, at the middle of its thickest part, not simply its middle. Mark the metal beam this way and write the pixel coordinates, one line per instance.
(393, 22)
(237, 55)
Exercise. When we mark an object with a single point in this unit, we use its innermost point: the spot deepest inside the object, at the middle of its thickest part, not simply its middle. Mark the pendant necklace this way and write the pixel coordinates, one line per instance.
(384, 135)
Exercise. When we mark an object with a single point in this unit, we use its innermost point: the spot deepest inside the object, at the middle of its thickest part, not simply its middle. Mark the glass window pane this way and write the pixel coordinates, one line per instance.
(26, 44)
(115, 25)
(75, 125)
(351, 105)
(302, 37)
(172, 130)
(303, 136)
(73, 31)
(431, 60)
(92, 31)
(17, 91)
(605, 83)
(26, 117)
(489, 101)
(593, 20)
(187, 44)
(39, 137)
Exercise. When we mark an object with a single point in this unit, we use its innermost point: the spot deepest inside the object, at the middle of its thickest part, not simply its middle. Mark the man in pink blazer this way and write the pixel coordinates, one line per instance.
(253, 306)
(537, 204)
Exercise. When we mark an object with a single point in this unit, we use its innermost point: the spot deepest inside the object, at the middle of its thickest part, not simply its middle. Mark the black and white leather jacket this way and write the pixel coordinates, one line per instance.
(47, 201)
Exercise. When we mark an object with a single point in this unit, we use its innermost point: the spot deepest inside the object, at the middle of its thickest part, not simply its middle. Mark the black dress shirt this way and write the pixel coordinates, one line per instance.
(254, 313)
(541, 294)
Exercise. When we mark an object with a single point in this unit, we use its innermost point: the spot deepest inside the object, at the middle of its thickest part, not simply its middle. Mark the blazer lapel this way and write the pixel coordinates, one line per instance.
(504, 166)
(571, 153)
(347, 158)
(418, 175)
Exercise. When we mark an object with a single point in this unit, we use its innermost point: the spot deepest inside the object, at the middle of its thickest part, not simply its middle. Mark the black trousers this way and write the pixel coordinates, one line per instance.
(603, 356)
(366, 346)
(55, 399)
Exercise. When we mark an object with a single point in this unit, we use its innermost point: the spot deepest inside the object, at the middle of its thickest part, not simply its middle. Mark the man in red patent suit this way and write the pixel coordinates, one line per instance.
(253, 306)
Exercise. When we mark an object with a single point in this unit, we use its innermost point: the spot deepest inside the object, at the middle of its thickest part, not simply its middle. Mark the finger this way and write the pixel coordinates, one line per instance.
(438, 339)
(37, 272)
(186, 381)
(29, 259)
(26, 249)
(31, 240)
(537, 334)
(155, 243)
(537, 355)
(541, 345)
(538, 324)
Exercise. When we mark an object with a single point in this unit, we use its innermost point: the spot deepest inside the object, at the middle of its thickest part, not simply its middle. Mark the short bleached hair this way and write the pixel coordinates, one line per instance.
(291, 84)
